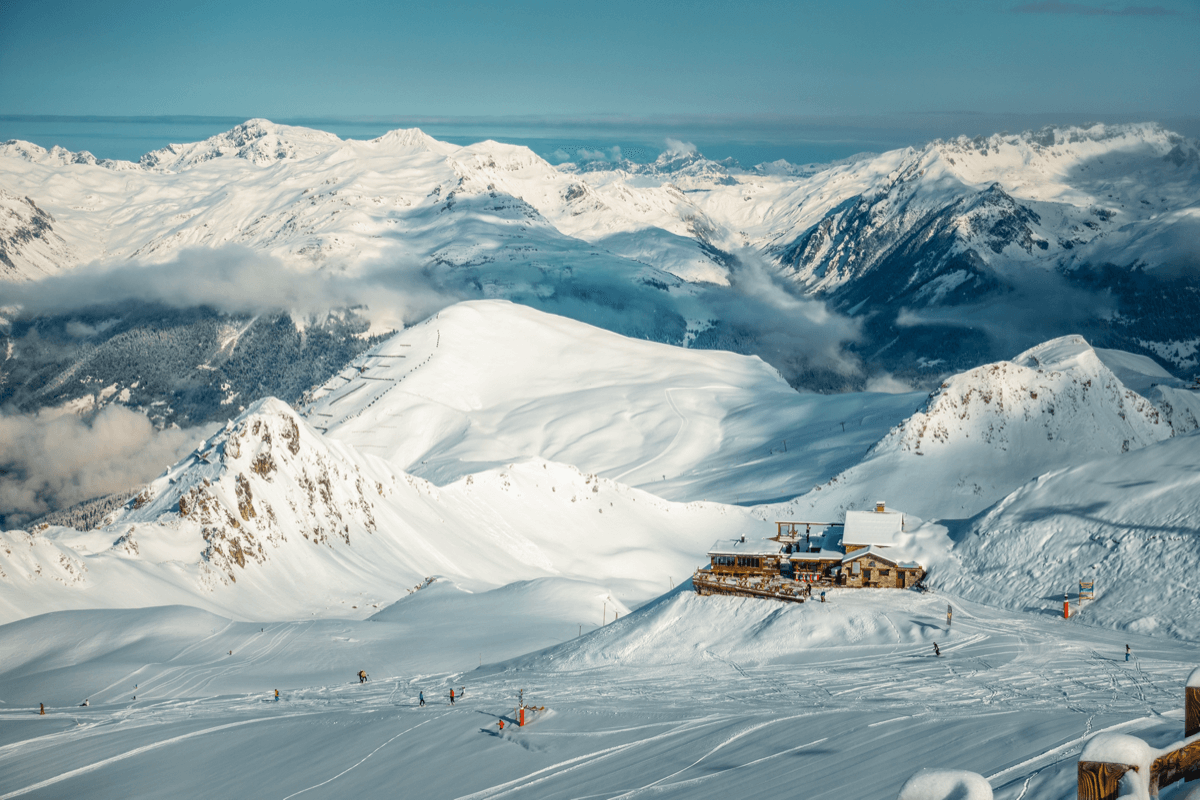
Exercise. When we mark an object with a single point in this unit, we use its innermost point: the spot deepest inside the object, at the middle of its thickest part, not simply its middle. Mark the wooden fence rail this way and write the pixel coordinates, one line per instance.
(1111, 766)
(1117, 767)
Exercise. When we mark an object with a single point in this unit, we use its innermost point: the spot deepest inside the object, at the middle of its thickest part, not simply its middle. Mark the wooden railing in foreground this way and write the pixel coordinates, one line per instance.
(1111, 766)
(1120, 767)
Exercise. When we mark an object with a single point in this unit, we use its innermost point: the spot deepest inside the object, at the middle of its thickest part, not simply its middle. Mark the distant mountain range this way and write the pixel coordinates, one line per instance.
(934, 259)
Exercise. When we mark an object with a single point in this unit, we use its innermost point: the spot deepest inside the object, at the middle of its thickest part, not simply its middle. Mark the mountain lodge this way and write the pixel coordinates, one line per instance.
(802, 555)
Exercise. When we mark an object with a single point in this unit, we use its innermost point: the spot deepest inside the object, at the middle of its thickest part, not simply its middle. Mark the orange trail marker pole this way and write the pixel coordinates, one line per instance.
(1066, 608)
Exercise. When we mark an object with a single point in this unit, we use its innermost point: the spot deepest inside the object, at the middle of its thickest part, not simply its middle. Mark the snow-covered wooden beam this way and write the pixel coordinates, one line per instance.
(1119, 767)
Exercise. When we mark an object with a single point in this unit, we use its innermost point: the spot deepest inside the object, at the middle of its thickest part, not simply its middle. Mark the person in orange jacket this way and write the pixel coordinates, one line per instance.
(501, 724)
(451, 697)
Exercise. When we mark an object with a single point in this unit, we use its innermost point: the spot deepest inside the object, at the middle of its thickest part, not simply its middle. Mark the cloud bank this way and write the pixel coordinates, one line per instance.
(1058, 7)
(51, 461)
(237, 280)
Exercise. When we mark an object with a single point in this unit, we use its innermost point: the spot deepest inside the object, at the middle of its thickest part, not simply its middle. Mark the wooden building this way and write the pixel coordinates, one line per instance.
(870, 568)
(803, 555)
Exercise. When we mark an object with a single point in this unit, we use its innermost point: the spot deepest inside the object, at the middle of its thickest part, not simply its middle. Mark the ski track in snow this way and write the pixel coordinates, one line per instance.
(1013, 697)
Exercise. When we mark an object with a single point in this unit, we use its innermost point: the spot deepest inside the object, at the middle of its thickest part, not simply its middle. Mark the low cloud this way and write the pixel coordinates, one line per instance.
(795, 334)
(50, 461)
(886, 383)
(238, 280)
(1039, 306)
(1058, 7)
(680, 148)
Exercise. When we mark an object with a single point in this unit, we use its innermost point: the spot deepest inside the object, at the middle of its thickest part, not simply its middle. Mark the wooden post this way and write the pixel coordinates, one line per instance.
(1099, 780)
(1191, 705)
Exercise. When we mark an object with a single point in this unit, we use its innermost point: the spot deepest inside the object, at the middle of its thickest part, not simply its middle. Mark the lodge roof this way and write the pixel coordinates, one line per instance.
(823, 555)
(872, 527)
(878, 553)
(748, 547)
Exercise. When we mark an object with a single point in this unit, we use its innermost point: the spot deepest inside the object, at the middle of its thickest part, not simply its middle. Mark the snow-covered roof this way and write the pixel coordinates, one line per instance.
(872, 527)
(823, 555)
(877, 552)
(749, 547)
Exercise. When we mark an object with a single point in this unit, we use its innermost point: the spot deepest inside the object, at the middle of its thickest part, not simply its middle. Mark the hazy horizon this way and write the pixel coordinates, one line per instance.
(748, 139)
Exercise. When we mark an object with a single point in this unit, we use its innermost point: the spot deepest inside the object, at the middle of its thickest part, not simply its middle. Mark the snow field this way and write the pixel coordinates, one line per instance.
(1013, 697)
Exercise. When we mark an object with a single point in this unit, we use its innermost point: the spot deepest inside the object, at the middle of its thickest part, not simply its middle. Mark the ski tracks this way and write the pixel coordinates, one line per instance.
(364, 758)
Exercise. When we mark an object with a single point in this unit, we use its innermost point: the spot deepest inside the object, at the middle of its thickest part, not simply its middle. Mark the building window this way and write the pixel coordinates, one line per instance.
(883, 573)
(748, 561)
(723, 561)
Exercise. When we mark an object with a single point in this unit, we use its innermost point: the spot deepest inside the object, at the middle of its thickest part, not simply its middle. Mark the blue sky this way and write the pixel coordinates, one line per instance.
(881, 59)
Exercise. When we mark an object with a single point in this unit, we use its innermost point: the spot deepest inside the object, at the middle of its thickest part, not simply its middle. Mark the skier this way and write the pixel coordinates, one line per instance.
(822, 597)
(462, 692)
(362, 676)
(85, 704)
(42, 709)
(1126, 652)
(421, 698)
(451, 697)
(501, 724)
(949, 616)
(276, 695)
(936, 651)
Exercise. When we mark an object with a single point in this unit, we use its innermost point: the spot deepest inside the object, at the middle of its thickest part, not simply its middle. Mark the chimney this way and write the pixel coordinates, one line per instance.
(879, 507)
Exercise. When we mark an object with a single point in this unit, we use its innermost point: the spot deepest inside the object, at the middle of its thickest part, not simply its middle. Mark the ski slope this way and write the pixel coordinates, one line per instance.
(833, 701)
(987, 431)
(484, 383)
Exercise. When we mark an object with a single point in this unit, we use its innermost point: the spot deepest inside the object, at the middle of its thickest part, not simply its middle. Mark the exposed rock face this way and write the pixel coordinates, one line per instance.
(250, 487)
(29, 245)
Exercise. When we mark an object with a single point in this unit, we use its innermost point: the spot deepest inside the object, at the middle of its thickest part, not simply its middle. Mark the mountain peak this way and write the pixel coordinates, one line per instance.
(258, 141)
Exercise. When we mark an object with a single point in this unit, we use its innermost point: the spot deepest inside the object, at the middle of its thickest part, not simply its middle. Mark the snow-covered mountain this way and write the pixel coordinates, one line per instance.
(279, 512)
(268, 518)
(925, 247)
(987, 431)
(1125, 522)
(486, 382)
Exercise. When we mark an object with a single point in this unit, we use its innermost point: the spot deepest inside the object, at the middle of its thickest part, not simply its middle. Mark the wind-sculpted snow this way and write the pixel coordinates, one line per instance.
(1127, 522)
(935, 250)
(269, 517)
(985, 432)
(487, 382)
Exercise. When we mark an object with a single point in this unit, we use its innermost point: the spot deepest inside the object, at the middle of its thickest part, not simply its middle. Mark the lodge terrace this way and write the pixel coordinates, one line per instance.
(802, 556)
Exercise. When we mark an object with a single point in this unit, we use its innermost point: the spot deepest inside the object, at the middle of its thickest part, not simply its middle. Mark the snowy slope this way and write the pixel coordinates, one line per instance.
(1127, 522)
(1014, 697)
(487, 382)
(267, 519)
(310, 198)
(950, 223)
(987, 431)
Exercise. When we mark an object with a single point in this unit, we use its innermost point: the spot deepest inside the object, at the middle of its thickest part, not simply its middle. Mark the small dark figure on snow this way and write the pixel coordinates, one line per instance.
(42, 709)
(276, 695)
(362, 676)
(501, 724)
(936, 651)
(822, 597)
(1127, 651)
(451, 697)
(85, 704)
(421, 698)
